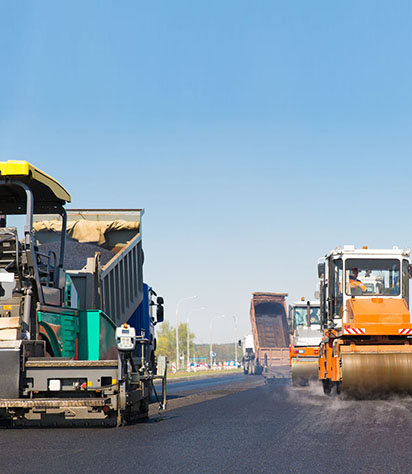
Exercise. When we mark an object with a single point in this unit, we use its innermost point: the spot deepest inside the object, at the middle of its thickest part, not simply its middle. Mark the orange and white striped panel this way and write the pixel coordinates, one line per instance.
(354, 331)
(405, 332)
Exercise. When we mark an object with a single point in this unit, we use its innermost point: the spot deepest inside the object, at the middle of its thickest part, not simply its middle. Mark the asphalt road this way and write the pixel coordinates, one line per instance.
(197, 385)
(247, 427)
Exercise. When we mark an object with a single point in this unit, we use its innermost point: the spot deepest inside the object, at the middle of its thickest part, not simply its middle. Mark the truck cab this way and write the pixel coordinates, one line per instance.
(248, 359)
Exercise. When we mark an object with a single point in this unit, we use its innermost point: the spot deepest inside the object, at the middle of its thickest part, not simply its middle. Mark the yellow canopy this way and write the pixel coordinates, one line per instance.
(46, 190)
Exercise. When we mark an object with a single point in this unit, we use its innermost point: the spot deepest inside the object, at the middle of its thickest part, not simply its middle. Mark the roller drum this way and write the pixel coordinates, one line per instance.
(372, 374)
(303, 372)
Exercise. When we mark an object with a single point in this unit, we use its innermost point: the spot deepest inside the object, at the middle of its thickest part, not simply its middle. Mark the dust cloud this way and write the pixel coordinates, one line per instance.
(376, 411)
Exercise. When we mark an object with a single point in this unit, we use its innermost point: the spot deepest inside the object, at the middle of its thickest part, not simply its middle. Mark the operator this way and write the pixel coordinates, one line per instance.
(314, 317)
(354, 281)
(300, 319)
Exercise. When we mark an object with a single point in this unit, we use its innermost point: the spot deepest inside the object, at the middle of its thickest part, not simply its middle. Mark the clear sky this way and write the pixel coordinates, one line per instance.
(257, 135)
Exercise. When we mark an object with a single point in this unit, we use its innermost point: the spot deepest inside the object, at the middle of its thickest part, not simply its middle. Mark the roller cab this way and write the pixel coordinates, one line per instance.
(367, 330)
(306, 335)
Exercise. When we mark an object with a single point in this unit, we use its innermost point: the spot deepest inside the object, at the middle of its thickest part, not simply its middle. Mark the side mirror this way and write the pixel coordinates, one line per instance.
(321, 270)
(160, 300)
(159, 313)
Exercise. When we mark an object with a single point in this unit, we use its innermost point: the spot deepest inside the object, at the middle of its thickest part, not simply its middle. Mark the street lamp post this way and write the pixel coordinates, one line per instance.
(210, 333)
(188, 333)
(177, 327)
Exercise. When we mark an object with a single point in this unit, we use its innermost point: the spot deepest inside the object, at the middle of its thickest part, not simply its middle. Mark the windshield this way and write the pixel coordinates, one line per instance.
(301, 315)
(372, 277)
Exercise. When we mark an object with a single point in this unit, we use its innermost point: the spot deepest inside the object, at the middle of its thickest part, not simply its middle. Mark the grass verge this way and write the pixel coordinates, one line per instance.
(203, 373)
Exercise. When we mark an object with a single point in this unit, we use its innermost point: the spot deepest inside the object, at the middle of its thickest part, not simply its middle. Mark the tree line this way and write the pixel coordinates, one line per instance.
(166, 345)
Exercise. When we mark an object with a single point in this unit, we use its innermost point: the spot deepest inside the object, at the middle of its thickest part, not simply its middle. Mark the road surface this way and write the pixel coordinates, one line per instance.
(241, 426)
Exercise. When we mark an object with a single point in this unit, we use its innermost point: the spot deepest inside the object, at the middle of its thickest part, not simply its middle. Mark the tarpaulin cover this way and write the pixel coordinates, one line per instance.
(87, 231)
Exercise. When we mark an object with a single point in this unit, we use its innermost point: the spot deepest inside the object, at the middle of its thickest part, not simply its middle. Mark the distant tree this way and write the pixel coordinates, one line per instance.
(166, 341)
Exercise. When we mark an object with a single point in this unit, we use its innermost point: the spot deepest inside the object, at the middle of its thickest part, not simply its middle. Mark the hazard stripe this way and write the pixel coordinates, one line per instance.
(405, 331)
(355, 331)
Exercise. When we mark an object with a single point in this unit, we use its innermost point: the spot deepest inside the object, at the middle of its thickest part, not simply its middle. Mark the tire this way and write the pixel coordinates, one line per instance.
(338, 388)
(327, 386)
(139, 414)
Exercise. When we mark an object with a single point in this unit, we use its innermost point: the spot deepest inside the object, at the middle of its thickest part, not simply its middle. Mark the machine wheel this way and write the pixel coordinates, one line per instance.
(136, 415)
(144, 409)
(338, 387)
(327, 386)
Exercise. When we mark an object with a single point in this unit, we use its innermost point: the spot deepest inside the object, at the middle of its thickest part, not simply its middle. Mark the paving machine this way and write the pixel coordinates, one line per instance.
(306, 335)
(366, 349)
(76, 337)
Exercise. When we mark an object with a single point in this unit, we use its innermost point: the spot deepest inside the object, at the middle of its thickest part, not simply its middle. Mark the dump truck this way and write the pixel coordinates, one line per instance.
(270, 331)
(77, 341)
(306, 335)
(366, 347)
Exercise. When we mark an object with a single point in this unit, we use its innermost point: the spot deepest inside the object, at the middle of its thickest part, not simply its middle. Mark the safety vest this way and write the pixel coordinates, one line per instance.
(355, 283)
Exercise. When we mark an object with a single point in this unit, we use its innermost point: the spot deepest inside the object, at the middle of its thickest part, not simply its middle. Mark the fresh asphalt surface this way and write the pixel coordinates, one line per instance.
(198, 386)
(251, 427)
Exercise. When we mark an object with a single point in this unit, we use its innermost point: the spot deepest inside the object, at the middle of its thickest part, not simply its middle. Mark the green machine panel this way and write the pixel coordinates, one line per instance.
(62, 332)
(82, 335)
(97, 338)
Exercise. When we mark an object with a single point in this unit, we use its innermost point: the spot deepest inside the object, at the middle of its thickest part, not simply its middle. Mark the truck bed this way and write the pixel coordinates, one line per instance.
(269, 326)
(112, 281)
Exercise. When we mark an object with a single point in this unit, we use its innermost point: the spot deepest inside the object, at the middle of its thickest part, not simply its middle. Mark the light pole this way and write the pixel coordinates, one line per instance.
(210, 333)
(235, 319)
(188, 333)
(177, 327)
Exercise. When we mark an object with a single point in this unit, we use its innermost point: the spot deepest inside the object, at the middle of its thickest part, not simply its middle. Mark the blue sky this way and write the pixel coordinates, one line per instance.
(257, 135)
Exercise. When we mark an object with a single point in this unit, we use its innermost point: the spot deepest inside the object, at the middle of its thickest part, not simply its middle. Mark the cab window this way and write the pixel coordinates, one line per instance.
(336, 288)
(372, 277)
